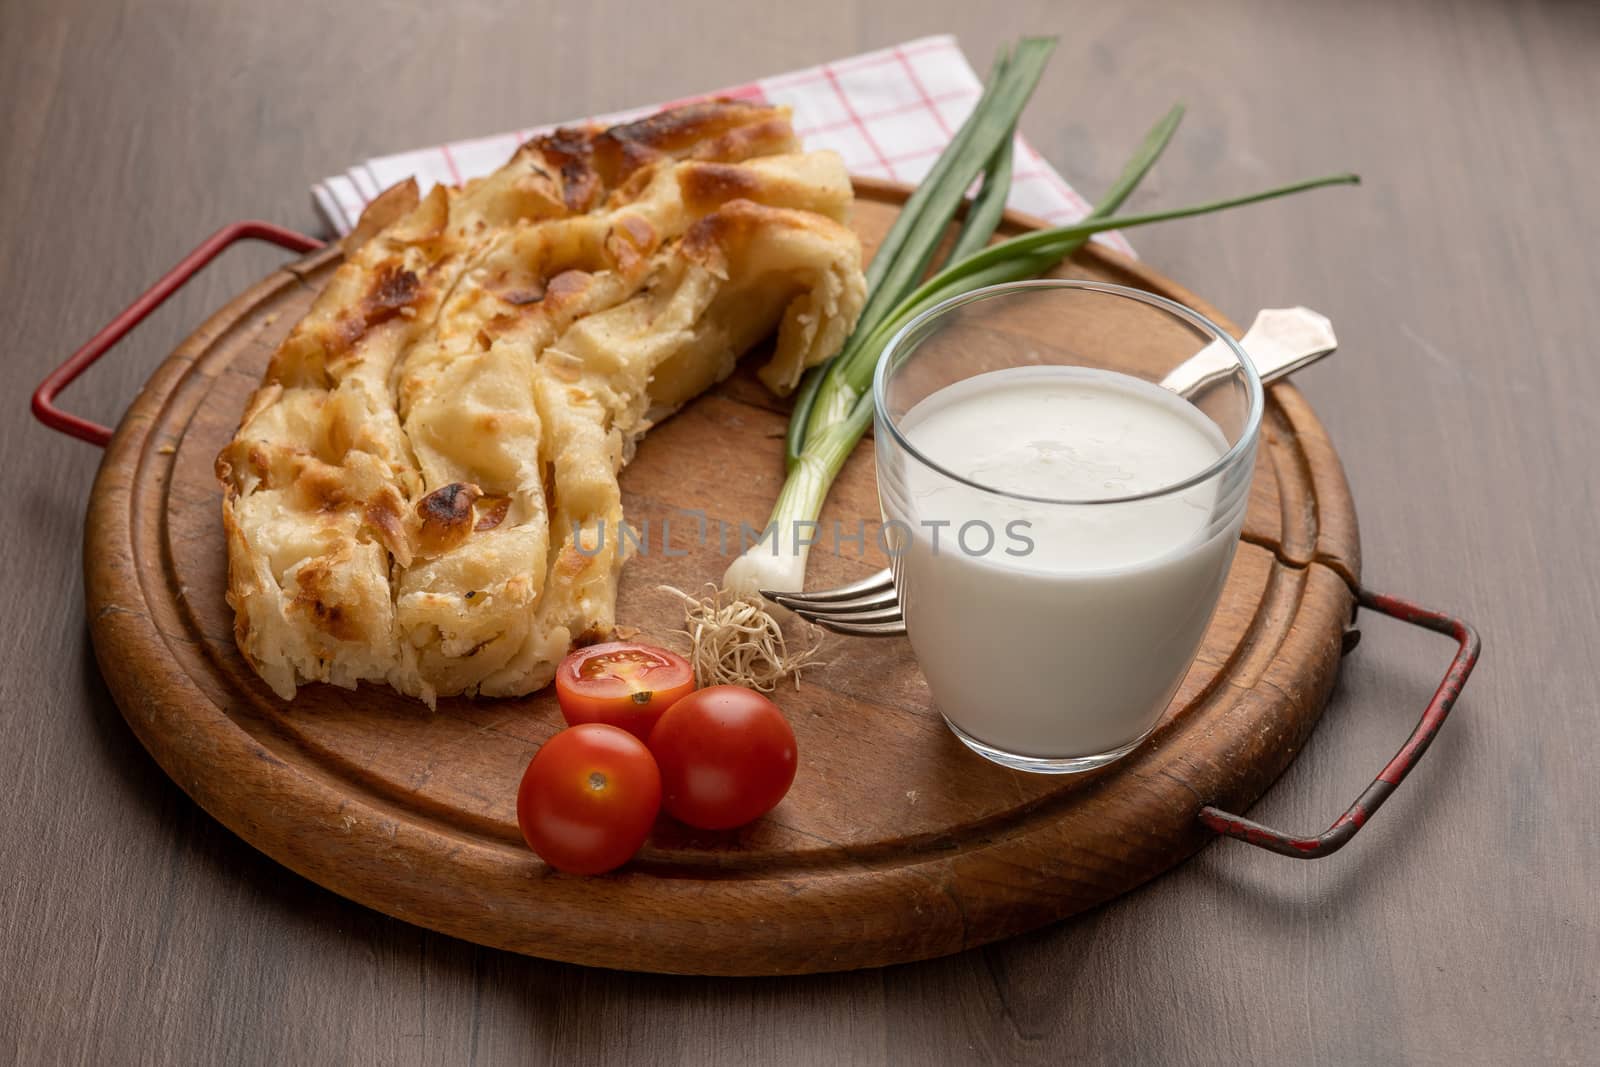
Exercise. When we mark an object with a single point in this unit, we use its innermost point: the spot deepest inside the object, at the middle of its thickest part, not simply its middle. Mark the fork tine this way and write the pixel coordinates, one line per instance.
(881, 599)
(865, 629)
(872, 583)
(888, 614)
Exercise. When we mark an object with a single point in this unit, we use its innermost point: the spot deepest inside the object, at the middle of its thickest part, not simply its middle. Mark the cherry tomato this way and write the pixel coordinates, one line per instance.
(623, 684)
(589, 798)
(727, 756)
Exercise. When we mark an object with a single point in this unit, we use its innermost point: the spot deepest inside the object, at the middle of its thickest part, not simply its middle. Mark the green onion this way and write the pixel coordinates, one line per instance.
(983, 217)
(908, 249)
(961, 277)
(1028, 256)
(910, 218)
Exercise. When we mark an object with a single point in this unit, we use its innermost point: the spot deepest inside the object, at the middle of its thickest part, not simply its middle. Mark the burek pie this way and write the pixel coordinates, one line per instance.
(423, 490)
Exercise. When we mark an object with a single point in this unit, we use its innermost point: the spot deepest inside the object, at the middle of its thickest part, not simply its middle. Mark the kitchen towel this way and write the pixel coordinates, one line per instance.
(888, 113)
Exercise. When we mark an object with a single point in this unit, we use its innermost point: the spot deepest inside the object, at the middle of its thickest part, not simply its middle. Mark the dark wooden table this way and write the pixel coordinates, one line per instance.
(1462, 926)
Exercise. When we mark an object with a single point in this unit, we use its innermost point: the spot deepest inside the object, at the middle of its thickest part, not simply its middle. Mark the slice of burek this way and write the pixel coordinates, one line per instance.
(423, 492)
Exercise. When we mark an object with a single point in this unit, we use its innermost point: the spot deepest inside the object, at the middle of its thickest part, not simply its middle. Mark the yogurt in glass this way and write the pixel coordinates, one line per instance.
(1060, 537)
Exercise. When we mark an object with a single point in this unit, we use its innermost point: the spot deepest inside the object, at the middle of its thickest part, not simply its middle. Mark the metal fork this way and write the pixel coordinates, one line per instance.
(1280, 342)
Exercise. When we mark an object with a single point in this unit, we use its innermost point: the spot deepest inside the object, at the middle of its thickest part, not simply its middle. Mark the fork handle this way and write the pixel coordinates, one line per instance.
(1280, 342)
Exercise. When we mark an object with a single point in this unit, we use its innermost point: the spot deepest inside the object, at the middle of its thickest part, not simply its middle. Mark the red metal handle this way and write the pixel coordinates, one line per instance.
(1310, 848)
(44, 406)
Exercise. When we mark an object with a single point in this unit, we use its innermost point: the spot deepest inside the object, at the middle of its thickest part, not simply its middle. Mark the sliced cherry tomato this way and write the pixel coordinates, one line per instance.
(589, 798)
(623, 684)
(727, 756)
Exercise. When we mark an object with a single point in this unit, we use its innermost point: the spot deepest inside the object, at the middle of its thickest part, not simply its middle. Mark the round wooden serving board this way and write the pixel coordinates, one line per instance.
(895, 842)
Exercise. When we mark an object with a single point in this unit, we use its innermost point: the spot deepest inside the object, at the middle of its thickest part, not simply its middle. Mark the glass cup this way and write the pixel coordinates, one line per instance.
(1060, 524)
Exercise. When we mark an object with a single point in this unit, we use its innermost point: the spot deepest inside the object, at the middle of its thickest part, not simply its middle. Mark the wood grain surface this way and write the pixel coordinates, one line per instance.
(1462, 926)
(895, 843)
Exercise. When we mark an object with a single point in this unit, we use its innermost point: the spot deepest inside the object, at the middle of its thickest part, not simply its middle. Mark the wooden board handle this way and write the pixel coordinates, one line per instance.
(1444, 698)
(44, 406)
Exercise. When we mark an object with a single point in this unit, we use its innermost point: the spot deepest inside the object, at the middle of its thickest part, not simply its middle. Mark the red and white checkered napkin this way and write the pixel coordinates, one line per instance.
(888, 113)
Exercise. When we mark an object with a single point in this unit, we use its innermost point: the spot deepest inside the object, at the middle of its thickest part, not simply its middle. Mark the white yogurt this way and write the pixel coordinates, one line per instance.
(1049, 630)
